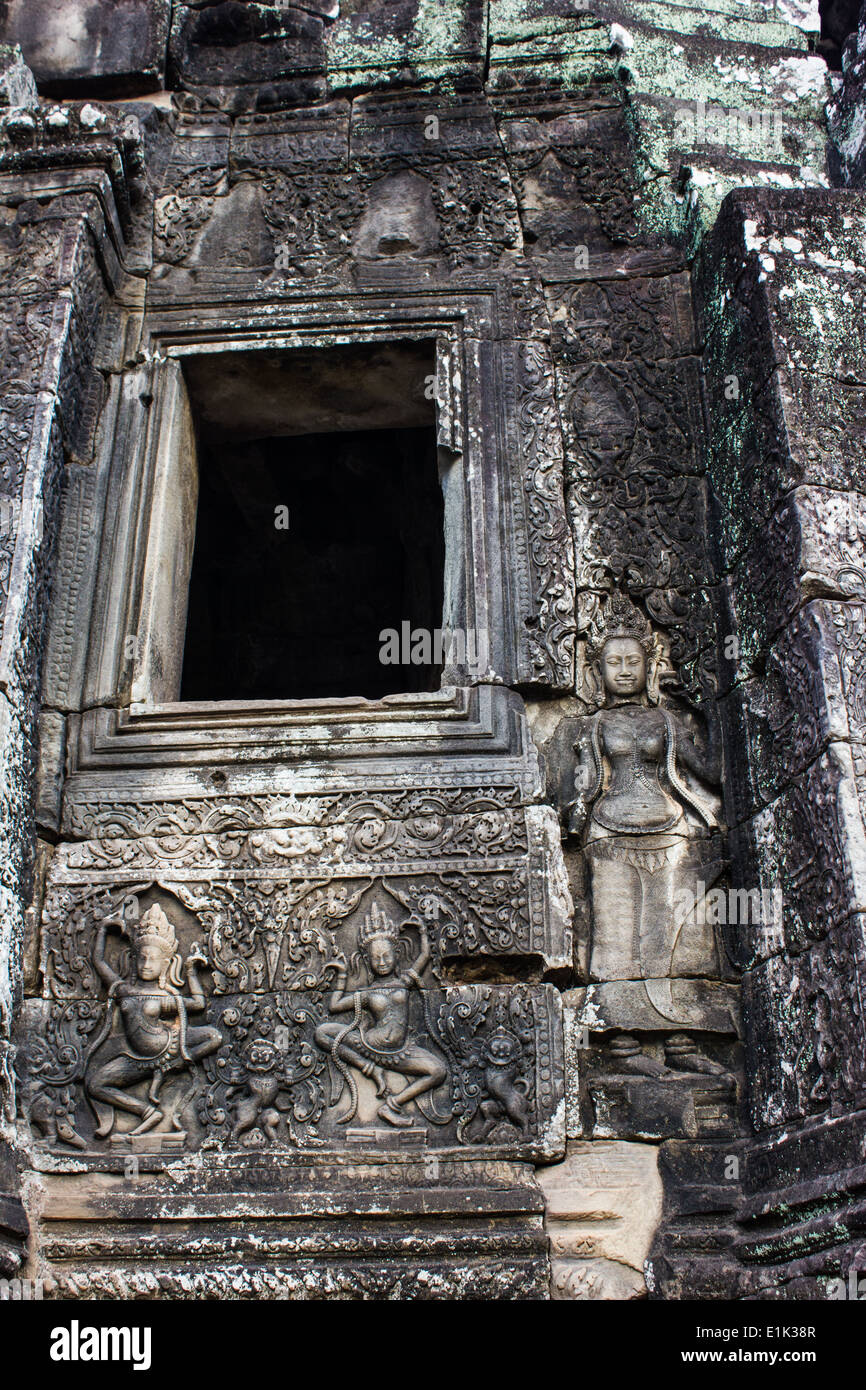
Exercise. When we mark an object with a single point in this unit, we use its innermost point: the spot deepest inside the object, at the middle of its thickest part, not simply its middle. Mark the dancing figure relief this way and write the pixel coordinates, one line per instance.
(152, 1005)
(377, 1039)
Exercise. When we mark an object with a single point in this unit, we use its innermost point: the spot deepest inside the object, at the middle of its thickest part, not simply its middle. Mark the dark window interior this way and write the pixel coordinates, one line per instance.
(296, 612)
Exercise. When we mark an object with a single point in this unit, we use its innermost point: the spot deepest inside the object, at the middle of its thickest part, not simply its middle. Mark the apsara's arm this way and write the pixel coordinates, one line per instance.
(195, 1001)
(419, 964)
(587, 775)
(707, 766)
(100, 964)
(340, 1002)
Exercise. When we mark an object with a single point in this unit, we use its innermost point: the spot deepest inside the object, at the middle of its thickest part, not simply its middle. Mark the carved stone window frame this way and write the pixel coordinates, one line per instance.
(496, 529)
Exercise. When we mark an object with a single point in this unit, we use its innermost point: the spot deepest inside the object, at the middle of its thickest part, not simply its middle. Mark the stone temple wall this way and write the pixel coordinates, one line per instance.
(544, 982)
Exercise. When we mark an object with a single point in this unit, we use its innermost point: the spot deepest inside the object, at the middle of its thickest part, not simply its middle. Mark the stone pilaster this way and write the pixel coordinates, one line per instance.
(61, 238)
(782, 286)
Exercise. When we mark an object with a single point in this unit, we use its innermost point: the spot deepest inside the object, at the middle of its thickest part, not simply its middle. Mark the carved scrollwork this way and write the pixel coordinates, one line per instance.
(311, 218)
(177, 221)
(551, 636)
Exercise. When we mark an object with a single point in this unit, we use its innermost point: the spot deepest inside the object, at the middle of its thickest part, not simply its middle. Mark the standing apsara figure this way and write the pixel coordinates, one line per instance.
(645, 826)
(153, 1011)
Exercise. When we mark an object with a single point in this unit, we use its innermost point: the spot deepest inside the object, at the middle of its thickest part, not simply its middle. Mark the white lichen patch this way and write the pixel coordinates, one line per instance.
(797, 78)
(752, 240)
(805, 14)
(91, 117)
(620, 38)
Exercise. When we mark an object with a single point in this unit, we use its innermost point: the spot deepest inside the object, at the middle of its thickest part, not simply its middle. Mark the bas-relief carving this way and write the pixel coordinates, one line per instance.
(454, 215)
(629, 397)
(157, 1050)
(638, 521)
(617, 320)
(153, 1012)
(431, 815)
(311, 987)
(376, 1038)
(637, 782)
(491, 833)
(399, 219)
(569, 188)
(551, 638)
(645, 810)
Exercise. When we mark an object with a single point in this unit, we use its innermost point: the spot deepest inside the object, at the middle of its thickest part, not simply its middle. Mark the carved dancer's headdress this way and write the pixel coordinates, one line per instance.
(617, 616)
(154, 928)
(377, 923)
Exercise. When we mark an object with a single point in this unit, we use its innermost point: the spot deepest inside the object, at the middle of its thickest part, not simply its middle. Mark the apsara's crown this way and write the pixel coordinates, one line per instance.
(377, 923)
(154, 928)
(618, 618)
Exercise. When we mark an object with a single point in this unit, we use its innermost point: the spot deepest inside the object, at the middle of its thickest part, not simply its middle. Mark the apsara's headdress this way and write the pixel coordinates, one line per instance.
(617, 616)
(377, 923)
(154, 928)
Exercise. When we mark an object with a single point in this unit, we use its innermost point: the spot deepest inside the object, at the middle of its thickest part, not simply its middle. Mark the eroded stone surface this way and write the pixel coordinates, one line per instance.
(603, 1204)
(339, 979)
